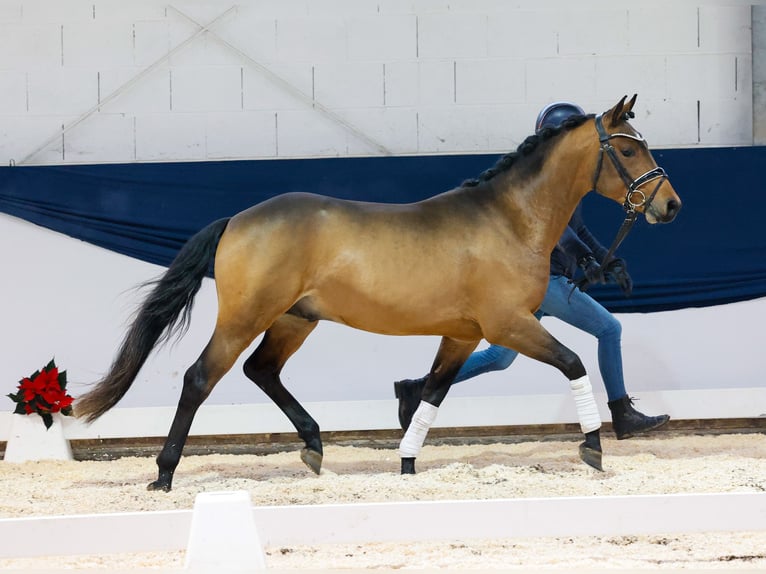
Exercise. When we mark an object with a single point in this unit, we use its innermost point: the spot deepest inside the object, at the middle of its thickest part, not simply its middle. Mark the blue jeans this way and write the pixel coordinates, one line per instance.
(577, 309)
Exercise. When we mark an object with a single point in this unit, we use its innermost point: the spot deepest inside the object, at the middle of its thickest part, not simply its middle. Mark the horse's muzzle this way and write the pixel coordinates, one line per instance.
(663, 212)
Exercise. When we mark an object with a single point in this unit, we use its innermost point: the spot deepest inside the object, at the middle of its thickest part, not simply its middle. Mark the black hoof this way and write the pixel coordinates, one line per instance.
(408, 465)
(590, 450)
(591, 456)
(312, 459)
(158, 485)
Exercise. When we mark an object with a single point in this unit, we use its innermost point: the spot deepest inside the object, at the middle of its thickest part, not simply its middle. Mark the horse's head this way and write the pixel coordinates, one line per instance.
(626, 170)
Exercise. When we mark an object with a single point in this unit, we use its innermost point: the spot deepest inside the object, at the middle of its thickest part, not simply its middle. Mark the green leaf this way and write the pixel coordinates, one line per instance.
(67, 411)
(62, 380)
(19, 409)
(50, 365)
(48, 420)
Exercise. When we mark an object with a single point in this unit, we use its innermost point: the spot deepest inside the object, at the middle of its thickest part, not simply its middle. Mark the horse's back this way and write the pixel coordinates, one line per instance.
(327, 223)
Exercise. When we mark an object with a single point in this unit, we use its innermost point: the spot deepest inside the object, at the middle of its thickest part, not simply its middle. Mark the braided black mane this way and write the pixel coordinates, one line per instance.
(526, 148)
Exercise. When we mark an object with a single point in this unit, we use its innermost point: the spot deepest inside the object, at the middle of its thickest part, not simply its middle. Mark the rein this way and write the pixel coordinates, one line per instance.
(630, 204)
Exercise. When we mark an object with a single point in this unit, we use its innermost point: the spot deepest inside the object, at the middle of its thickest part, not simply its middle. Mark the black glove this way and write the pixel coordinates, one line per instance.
(592, 271)
(617, 270)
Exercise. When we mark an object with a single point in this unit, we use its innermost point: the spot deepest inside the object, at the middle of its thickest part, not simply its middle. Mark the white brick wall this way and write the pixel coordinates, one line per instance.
(204, 89)
(13, 98)
(261, 92)
(25, 47)
(237, 134)
(415, 76)
(103, 134)
(150, 95)
(349, 85)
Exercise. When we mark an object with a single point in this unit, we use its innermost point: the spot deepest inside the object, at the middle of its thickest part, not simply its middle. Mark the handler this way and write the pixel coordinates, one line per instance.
(576, 248)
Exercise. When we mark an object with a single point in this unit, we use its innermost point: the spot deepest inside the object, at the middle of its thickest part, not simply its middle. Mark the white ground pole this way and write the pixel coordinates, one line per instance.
(383, 522)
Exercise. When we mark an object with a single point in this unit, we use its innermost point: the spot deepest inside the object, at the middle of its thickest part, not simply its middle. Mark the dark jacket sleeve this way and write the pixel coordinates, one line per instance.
(585, 236)
(575, 243)
(571, 244)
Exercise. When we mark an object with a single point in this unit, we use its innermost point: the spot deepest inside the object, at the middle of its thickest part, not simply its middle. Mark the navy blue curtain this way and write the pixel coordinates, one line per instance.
(713, 253)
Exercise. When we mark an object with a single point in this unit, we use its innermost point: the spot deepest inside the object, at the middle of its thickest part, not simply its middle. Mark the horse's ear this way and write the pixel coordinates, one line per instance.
(629, 108)
(615, 115)
(622, 111)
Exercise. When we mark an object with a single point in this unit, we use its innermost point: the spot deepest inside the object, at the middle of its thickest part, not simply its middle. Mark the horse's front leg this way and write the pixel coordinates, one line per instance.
(530, 338)
(450, 357)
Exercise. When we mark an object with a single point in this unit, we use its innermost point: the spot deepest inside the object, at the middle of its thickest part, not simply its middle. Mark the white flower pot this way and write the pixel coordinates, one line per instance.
(29, 440)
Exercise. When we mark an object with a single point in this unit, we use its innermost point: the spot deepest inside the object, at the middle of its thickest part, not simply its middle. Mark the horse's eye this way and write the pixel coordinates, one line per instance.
(628, 151)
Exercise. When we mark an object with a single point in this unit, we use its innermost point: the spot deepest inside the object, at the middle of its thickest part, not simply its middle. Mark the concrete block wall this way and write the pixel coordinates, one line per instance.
(103, 81)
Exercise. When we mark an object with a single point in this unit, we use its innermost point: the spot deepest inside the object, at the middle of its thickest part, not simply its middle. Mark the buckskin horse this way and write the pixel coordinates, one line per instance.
(466, 265)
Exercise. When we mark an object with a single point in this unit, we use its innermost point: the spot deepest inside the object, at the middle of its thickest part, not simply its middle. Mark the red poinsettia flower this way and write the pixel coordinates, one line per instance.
(44, 393)
(51, 392)
(32, 386)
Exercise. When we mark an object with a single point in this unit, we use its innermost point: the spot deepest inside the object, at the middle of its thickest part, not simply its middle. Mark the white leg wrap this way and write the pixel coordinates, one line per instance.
(587, 411)
(416, 433)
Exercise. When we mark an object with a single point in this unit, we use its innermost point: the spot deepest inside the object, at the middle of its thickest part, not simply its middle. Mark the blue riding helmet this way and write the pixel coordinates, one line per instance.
(554, 114)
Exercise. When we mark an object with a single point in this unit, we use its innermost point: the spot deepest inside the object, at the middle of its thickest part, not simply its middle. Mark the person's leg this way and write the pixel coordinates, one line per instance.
(582, 311)
(493, 358)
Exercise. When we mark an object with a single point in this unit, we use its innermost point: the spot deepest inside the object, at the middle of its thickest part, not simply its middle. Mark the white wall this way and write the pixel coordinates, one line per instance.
(417, 76)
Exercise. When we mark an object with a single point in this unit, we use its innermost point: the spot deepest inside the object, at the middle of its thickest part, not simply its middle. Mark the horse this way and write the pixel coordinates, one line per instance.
(467, 264)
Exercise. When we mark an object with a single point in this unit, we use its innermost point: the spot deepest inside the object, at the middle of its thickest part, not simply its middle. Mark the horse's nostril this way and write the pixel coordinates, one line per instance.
(673, 206)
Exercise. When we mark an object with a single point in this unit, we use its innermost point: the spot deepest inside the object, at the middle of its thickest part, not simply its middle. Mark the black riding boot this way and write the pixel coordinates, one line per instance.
(627, 421)
(408, 392)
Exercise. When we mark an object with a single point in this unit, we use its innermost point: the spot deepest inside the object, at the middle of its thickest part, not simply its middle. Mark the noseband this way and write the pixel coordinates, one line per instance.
(634, 197)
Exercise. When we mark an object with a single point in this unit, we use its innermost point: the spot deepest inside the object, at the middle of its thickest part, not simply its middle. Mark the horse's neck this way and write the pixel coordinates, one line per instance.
(540, 208)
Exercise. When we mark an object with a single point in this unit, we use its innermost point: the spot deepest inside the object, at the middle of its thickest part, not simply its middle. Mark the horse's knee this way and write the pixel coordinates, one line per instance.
(571, 365)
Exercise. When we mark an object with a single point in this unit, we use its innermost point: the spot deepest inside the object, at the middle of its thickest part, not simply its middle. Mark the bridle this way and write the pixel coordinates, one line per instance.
(634, 197)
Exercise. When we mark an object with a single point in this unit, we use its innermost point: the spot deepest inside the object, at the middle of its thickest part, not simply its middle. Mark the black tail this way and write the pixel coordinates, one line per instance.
(166, 311)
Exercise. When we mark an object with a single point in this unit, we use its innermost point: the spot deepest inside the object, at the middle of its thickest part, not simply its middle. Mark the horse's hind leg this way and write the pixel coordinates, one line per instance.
(214, 362)
(263, 367)
(450, 357)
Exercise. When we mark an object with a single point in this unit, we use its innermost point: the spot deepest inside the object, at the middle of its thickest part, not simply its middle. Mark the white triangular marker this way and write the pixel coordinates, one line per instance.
(223, 535)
